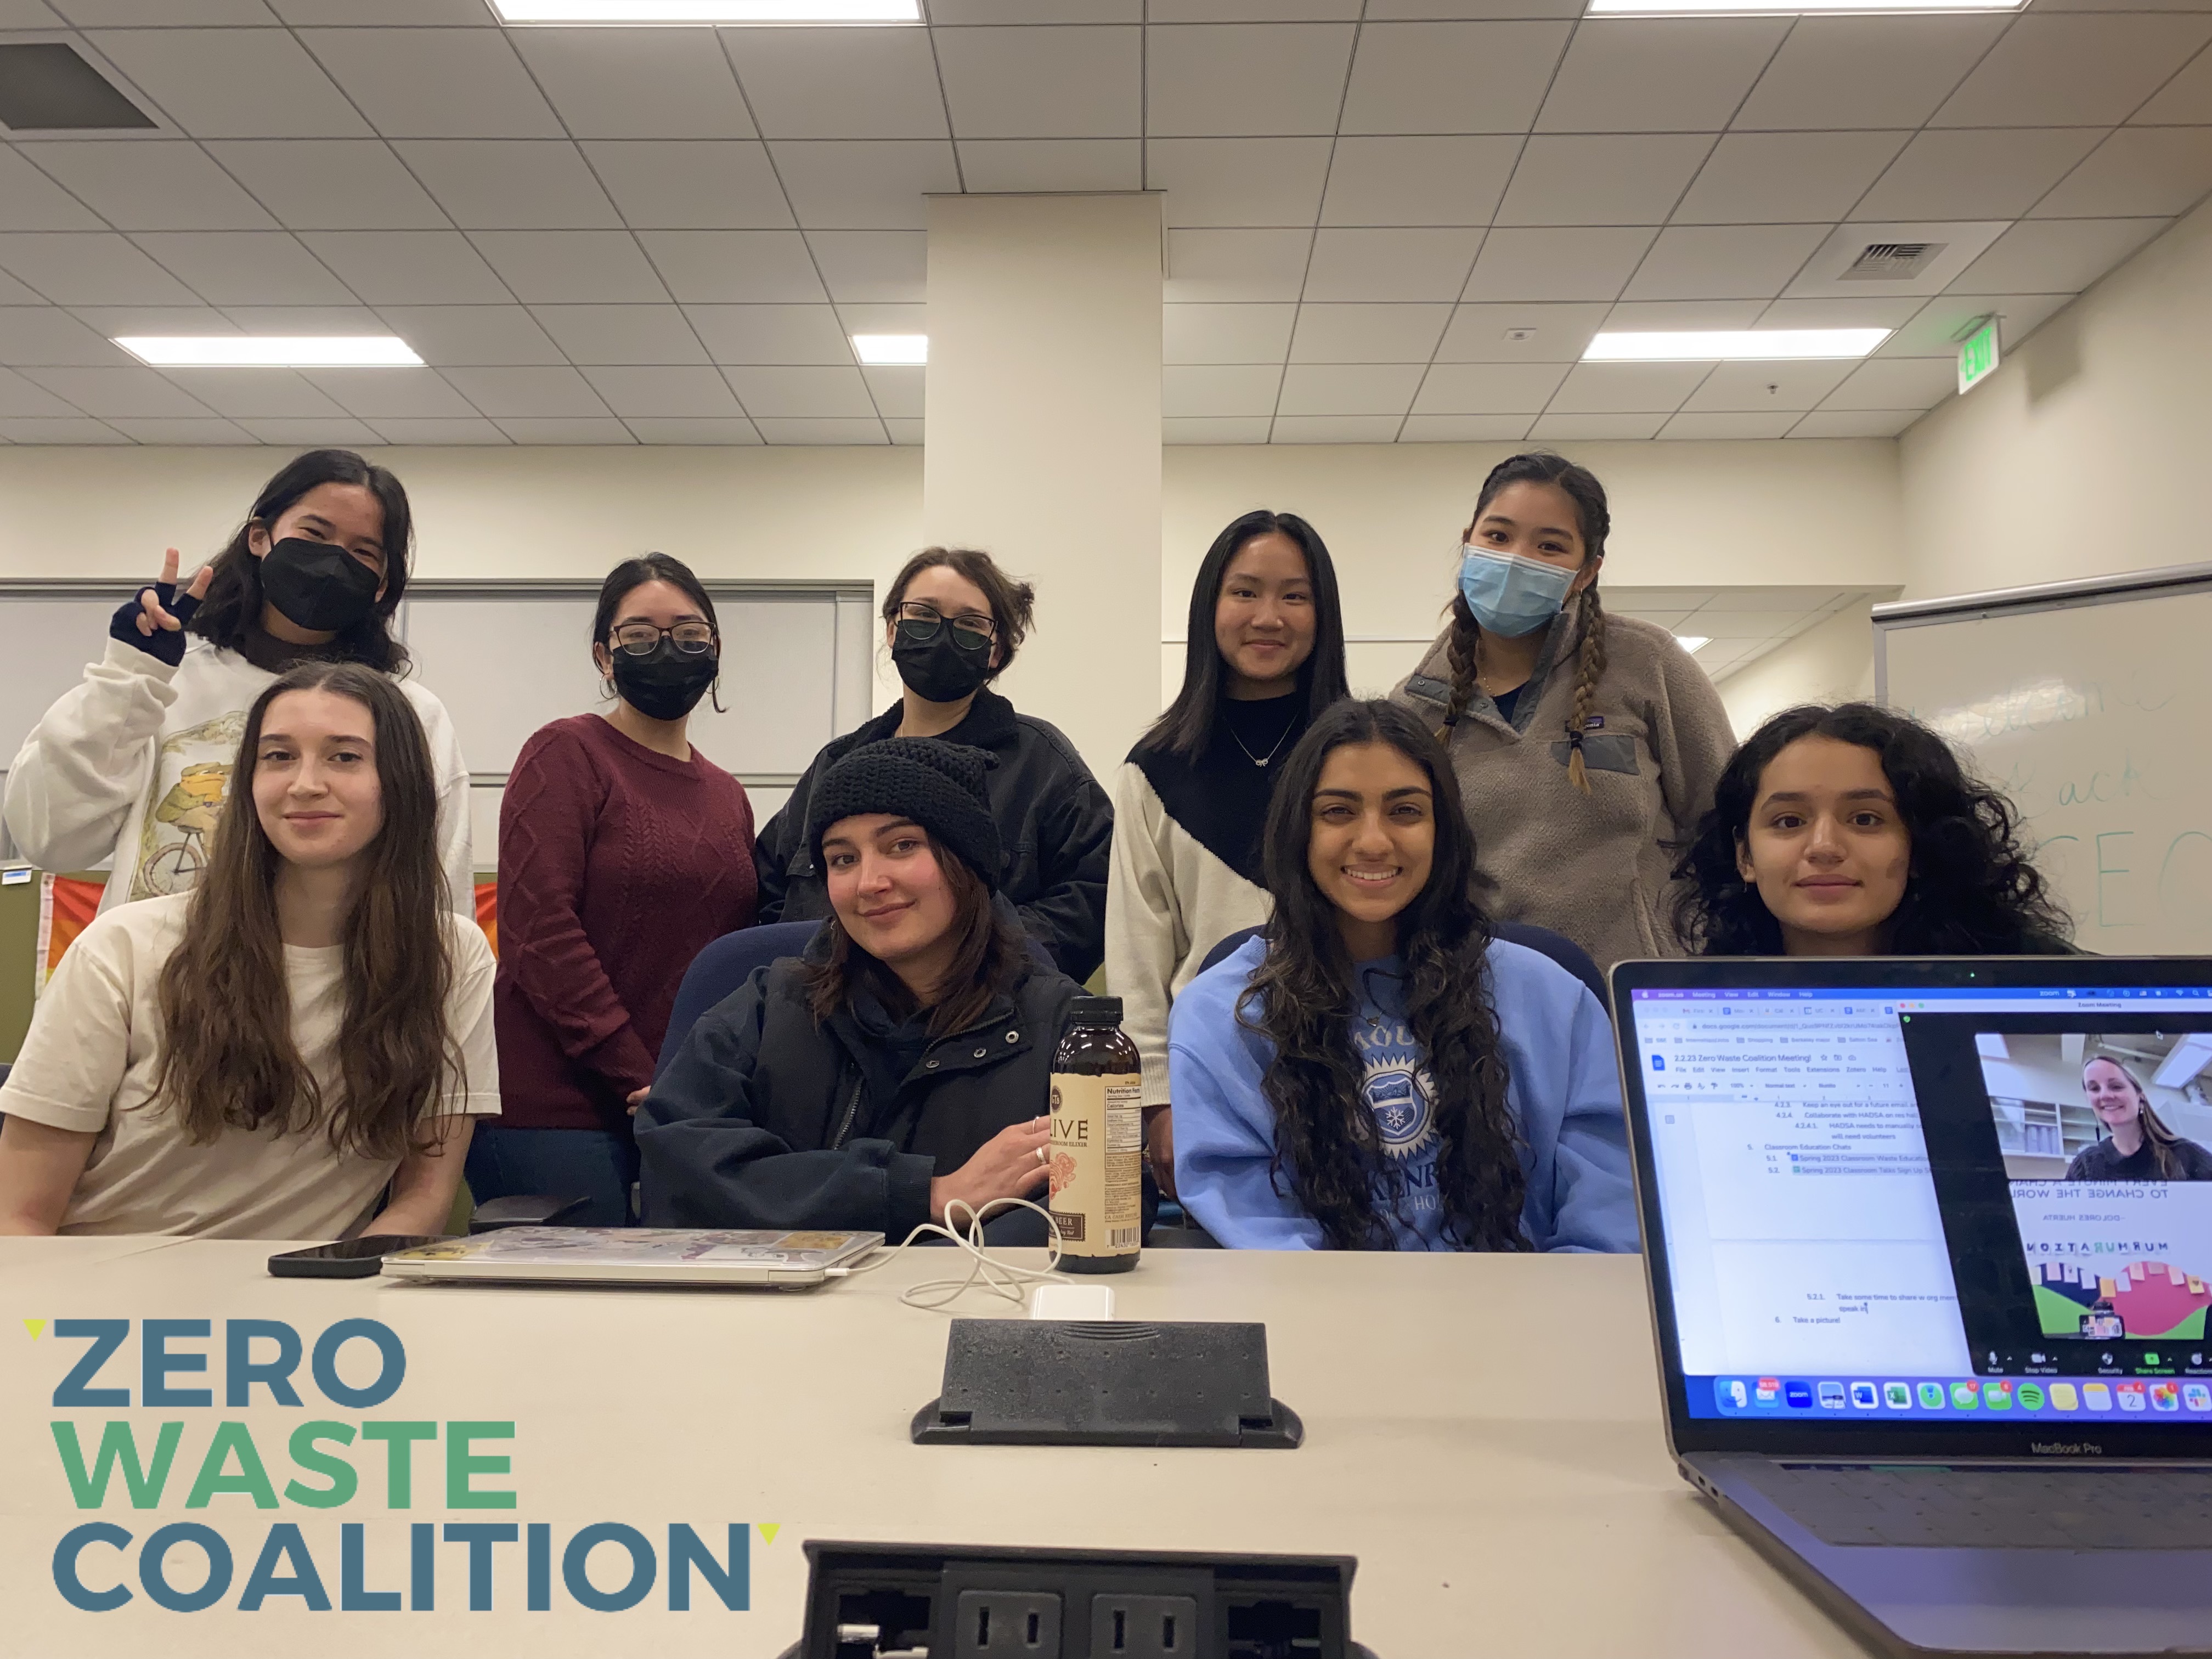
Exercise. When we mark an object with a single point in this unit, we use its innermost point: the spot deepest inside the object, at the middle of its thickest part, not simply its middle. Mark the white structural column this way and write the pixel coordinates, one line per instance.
(1043, 439)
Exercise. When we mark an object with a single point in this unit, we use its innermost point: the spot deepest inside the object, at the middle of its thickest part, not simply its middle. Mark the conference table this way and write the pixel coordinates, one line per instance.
(1483, 1432)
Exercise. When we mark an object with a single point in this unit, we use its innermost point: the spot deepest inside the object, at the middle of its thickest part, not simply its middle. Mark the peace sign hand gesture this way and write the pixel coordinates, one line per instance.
(154, 619)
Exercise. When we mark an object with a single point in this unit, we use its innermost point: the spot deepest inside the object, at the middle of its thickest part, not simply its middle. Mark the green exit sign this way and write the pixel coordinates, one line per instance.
(1977, 357)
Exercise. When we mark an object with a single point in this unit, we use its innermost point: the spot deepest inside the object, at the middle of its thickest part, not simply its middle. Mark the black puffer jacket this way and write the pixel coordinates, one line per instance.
(1056, 822)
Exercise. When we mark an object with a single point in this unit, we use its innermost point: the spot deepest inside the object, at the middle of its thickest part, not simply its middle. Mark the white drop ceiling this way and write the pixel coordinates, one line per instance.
(1390, 220)
(1741, 625)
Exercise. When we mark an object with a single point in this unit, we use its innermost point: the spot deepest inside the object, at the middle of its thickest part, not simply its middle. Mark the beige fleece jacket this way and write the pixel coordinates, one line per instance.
(1595, 867)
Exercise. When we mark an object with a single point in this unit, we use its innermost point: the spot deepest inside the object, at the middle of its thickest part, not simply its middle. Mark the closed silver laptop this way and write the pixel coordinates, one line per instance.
(672, 1256)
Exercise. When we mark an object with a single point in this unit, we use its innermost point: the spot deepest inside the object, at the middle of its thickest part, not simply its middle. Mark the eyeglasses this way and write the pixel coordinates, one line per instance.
(920, 622)
(641, 639)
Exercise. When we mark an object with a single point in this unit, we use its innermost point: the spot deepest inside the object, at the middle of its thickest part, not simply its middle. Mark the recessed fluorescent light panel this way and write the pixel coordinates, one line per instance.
(1785, 8)
(876, 349)
(1745, 345)
(708, 11)
(1694, 641)
(267, 351)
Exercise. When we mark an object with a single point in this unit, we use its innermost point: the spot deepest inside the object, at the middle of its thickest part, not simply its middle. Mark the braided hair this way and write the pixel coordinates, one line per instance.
(1463, 648)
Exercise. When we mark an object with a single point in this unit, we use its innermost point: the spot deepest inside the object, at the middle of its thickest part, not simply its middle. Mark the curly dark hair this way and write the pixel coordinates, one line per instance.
(1303, 1000)
(1972, 888)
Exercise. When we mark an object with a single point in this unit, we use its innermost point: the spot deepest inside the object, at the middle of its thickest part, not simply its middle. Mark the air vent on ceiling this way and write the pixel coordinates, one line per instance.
(1891, 262)
(45, 87)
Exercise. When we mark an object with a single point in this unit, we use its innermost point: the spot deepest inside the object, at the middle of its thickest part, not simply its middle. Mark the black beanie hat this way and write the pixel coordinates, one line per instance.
(939, 785)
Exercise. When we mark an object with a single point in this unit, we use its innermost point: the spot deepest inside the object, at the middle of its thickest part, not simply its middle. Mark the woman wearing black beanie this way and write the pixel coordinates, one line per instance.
(902, 1063)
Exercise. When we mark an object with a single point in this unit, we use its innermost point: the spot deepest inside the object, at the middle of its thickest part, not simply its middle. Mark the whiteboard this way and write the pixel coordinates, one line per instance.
(2090, 704)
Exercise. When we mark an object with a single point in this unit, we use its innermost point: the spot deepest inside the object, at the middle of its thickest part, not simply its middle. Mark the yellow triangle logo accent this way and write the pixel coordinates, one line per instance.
(36, 1326)
(769, 1530)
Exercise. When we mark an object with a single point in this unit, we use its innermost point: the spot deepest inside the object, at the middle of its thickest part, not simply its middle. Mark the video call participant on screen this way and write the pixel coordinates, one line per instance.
(623, 852)
(2136, 1145)
(954, 620)
(1375, 1072)
(135, 762)
(1854, 831)
(902, 1063)
(1265, 655)
(296, 1048)
(1586, 744)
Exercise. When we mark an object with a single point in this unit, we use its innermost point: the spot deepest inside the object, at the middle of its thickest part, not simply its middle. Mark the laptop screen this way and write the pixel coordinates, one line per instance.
(1933, 1204)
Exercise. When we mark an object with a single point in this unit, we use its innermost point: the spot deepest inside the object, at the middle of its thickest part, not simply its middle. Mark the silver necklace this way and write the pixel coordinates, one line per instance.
(1259, 759)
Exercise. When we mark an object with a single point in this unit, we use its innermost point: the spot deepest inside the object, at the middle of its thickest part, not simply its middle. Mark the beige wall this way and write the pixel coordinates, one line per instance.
(1830, 663)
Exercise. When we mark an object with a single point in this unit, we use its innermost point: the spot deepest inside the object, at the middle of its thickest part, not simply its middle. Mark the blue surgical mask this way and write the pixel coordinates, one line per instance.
(1510, 595)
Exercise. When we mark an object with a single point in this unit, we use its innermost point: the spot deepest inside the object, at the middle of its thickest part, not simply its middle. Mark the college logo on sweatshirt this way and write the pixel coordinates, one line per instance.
(1397, 1090)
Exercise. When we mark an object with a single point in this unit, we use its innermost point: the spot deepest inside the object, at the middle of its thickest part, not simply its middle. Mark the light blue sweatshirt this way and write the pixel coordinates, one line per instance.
(1562, 1090)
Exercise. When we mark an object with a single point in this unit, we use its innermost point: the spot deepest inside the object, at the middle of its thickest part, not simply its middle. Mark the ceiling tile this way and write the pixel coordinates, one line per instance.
(1864, 73)
(898, 391)
(150, 184)
(1464, 429)
(292, 178)
(1567, 263)
(869, 316)
(1335, 429)
(409, 267)
(428, 432)
(636, 84)
(471, 336)
(690, 185)
(874, 266)
(1233, 80)
(435, 83)
(298, 320)
(1239, 181)
(22, 397)
(2137, 172)
(233, 82)
(2046, 256)
(819, 393)
(533, 430)
(1730, 427)
(1227, 334)
(1418, 181)
(28, 14)
(1839, 313)
(1368, 333)
(1957, 244)
(31, 201)
(662, 391)
(1993, 173)
(13, 292)
(943, 12)
(1595, 429)
(2094, 71)
(1719, 262)
(399, 394)
(1232, 265)
(1521, 389)
(1656, 314)
(85, 268)
(1391, 265)
(256, 393)
(1626, 388)
(1947, 320)
(1451, 77)
(247, 268)
(1786, 178)
(1768, 388)
(571, 267)
(1896, 383)
(82, 429)
(47, 334)
(733, 265)
(992, 165)
(1855, 423)
(1214, 429)
(1658, 73)
(114, 13)
(432, 14)
(622, 334)
(839, 82)
(854, 430)
(693, 430)
(1254, 11)
(332, 431)
(1244, 390)
(1349, 389)
(1043, 83)
(1593, 180)
(1561, 333)
(205, 429)
(772, 334)
(2185, 100)
(512, 183)
(1722, 622)
(865, 184)
(540, 393)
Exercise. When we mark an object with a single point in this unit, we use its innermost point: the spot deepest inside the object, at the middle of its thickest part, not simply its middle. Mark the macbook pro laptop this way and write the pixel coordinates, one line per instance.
(677, 1256)
(1933, 1333)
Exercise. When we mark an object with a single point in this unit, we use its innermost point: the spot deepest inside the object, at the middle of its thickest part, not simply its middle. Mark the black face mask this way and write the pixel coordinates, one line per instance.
(942, 668)
(664, 684)
(317, 586)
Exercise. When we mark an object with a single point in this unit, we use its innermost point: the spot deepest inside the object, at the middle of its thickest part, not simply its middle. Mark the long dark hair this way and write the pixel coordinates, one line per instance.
(632, 573)
(1014, 602)
(1463, 651)
(228, 1061)
(232, 610)
(1972, 888)
(992, 957)
(1303, 1000)
(1187, 725)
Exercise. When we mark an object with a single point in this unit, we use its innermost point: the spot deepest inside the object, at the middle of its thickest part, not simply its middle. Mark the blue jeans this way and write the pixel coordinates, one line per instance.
(598, 1164)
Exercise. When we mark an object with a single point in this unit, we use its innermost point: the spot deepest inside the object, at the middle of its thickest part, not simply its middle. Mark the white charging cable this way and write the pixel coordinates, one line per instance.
(1002, 1279)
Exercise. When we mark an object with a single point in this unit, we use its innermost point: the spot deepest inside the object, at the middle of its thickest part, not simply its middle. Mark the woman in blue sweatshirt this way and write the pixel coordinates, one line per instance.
(1375, 1072)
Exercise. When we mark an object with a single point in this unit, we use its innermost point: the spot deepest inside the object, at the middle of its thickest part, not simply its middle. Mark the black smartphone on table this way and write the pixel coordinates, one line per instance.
(349, 1258)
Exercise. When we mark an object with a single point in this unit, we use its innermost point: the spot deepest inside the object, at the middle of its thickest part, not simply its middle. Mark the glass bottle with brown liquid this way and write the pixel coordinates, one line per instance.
(1098, 1156)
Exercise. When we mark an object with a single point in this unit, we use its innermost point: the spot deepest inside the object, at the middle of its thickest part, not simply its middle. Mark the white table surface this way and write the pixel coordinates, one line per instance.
(1482, 1432)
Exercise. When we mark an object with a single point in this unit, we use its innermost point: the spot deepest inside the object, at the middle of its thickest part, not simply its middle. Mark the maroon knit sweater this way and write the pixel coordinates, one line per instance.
(615, 865)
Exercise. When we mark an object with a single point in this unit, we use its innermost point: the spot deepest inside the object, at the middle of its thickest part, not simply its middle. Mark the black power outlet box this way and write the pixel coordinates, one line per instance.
(958, 1601)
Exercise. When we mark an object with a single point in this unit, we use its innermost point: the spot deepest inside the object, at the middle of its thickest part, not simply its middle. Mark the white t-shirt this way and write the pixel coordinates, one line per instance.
(89, 1062)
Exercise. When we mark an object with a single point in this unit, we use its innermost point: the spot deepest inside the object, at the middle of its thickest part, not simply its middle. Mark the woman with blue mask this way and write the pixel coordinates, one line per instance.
(1586, 746)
